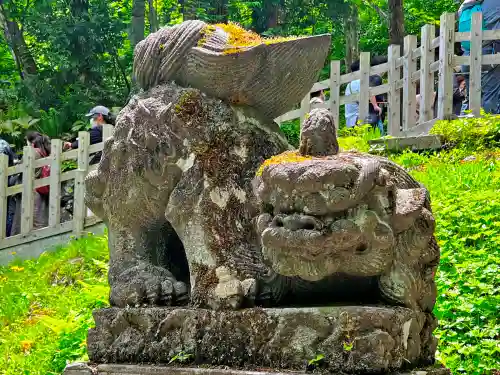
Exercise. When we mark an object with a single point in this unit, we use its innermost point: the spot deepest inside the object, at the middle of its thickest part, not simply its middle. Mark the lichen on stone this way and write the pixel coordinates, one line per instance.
(285, 157)
(205, 33)
(187, 103)
(239, 38)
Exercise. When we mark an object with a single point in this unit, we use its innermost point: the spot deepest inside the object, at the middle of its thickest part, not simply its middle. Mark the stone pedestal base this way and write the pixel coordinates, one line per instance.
(344, 339)
(83, 369)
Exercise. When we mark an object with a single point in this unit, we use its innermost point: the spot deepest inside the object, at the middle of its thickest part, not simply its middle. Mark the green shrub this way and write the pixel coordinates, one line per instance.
(357, 138)
(291, 129)
(46, 307)
(466, 205)
(472, 133)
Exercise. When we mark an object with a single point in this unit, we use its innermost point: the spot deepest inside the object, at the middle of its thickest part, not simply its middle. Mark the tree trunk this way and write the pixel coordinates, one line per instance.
(271, 15)
(14, 36)
(188, 9)
(138, 22)
(396, 23)
(396, 36)
(79, 8)
(153, 17)
(351, 32)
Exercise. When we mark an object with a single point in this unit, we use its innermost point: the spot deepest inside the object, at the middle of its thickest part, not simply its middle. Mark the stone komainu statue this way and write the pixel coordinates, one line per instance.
(208, 206)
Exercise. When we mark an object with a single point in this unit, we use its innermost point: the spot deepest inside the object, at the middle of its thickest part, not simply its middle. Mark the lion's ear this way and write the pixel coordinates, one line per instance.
(408, 207)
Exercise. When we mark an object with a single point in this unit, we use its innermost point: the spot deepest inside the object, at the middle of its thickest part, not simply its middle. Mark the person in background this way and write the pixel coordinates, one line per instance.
(317, 99)
(375, 113)
(459, 95)
(41, 144)
(352, 109)
(99, 116)
(490, 77)
(5, 149)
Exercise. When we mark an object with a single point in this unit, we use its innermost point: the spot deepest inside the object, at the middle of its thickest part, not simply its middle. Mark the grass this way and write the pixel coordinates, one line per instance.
(466, 204)
(45, 304)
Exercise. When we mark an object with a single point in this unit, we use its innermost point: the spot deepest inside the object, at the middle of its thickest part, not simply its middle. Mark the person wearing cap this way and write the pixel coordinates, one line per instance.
(99, 116)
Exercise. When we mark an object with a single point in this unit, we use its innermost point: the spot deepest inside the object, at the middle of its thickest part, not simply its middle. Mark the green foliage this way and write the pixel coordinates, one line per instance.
(357, 138)
(291, 129)
(317, 359)
(46, 305)
(466, 206)
(471, 133)
(14, 130)
(181, 358)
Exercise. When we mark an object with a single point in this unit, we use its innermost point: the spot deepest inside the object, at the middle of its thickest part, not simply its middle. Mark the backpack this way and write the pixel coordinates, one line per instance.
(45, 172)
(465, 21)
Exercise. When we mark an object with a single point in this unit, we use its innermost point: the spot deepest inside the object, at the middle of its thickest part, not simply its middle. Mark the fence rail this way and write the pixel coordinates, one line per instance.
(80, 218)
(402, 76)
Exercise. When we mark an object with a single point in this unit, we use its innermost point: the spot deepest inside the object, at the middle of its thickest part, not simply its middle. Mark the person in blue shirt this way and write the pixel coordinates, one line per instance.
(490, 80)
(353, 87)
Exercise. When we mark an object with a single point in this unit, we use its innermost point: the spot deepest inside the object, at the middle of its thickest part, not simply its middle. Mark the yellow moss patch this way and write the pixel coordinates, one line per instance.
(239, 38)
(285, 157)
(205, 33)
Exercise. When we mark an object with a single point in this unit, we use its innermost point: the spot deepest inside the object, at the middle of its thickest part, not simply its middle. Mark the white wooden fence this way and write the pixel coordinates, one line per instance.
(402, 74)
(80, 218)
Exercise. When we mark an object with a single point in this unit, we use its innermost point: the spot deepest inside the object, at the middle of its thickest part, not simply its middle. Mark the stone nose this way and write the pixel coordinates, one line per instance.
(301, 222)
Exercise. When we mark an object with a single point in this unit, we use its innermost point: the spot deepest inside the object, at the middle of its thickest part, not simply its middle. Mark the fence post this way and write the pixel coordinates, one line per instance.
(335, 92)
(4, 178)
(426, 76)
(394, 126)
(79, 209)
(28, 192)
(55, 184)
(409, 92)
(364, 85)
(446, 54)
(305, 107)
(476, 56)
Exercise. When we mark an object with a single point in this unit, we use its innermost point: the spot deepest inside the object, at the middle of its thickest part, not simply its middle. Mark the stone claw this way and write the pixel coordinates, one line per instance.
(147, 285)
(231, 293)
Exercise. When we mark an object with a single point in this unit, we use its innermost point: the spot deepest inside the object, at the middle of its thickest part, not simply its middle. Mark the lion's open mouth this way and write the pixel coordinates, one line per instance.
(312, 236)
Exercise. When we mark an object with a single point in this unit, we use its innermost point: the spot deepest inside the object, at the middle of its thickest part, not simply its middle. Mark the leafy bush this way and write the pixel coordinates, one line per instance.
(46, 305)
(14, 130)
(291, 129)
(472, 133)
(466, 204)
(357, 138)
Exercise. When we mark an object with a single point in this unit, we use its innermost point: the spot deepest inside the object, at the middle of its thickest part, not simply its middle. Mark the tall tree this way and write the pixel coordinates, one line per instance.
(14, 36)
(351, 32)
(152, 17)
(138, 22)
(396, 22)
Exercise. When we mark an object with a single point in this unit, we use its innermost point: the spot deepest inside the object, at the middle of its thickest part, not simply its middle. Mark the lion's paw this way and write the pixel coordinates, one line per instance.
(147, 285)
(231, 293)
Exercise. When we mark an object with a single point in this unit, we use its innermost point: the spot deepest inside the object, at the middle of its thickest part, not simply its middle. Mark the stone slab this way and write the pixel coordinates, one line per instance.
(353, 339)
(416, 143)
(114, 369)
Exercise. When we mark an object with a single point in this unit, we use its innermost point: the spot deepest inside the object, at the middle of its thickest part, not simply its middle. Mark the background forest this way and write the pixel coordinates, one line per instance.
(58, 58)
